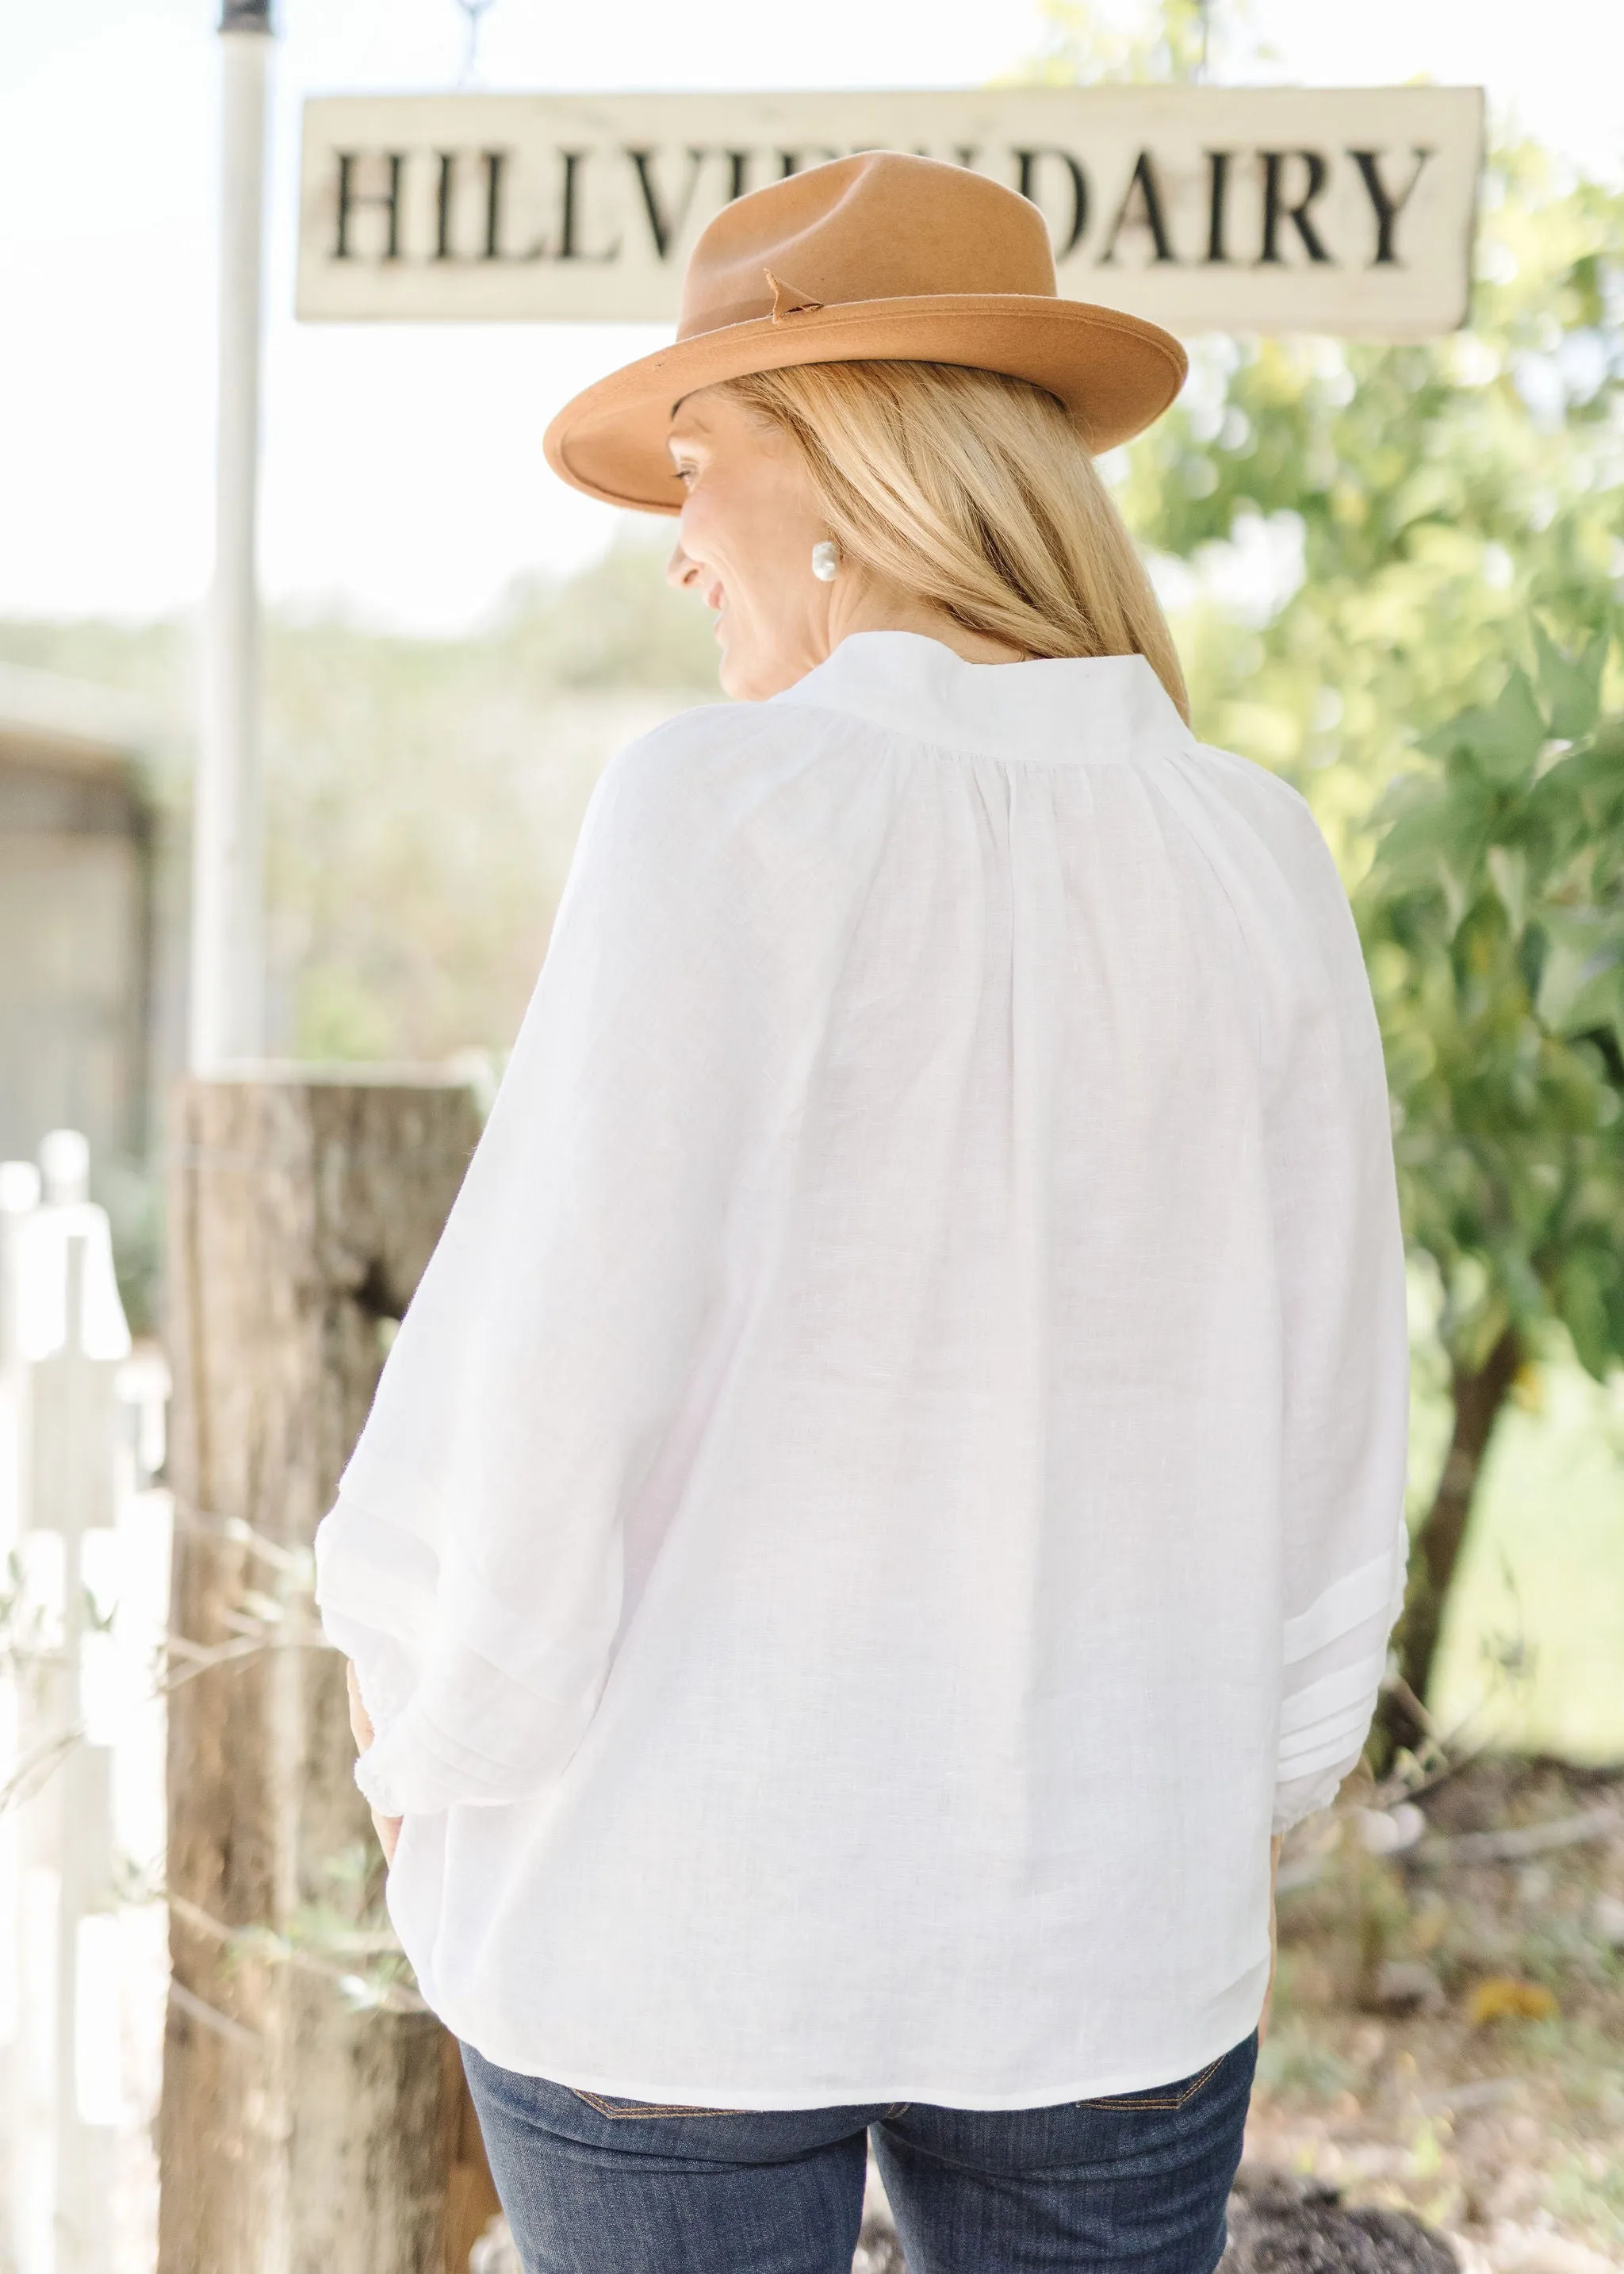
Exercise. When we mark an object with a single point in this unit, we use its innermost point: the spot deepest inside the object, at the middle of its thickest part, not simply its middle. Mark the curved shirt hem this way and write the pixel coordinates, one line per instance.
(929, 2090)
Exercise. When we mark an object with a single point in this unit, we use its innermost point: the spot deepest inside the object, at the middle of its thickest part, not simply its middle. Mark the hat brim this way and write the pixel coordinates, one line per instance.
(1114, 373)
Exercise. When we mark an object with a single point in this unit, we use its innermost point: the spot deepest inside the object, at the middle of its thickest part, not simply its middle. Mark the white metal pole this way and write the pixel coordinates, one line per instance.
(228, 979)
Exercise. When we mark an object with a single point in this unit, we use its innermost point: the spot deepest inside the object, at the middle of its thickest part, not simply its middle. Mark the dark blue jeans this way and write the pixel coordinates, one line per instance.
(1137, 2181)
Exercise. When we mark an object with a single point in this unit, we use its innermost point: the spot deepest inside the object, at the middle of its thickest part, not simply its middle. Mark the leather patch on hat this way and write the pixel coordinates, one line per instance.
(786, 301)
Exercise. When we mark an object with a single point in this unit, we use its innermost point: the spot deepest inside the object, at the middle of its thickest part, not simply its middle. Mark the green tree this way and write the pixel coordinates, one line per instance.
(1494, 920)
(1427, 503)
(1420, 502)
(1356, 538)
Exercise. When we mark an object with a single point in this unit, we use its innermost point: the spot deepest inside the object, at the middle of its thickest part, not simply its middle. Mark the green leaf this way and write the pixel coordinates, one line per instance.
(1580, 1304)
(1595, 774)
(1508, 867)
(1509, 740)
(1569, 685)
(1582, 982)
(1436, 836)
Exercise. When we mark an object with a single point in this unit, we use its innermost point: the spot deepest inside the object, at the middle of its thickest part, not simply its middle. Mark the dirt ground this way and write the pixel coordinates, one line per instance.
(1447, 2033)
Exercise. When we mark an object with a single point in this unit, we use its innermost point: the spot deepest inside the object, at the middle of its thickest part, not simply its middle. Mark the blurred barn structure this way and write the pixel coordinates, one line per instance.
(78, 978)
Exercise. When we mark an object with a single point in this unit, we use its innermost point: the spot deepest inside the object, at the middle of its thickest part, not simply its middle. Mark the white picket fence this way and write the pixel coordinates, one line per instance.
(81, 1423)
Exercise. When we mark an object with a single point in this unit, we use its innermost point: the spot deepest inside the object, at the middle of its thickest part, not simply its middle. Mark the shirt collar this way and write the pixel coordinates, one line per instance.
(1087, 707)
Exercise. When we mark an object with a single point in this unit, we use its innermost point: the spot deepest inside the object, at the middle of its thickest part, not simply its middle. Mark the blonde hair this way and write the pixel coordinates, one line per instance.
(977, 492)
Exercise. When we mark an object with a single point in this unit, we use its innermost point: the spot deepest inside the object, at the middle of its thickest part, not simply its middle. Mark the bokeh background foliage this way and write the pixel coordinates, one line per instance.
(1408, 510)
(1396, 572)
(1493, 919)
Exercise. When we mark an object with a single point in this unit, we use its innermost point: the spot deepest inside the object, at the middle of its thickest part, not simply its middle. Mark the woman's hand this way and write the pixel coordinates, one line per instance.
(1263, 2018)
(387, 1827)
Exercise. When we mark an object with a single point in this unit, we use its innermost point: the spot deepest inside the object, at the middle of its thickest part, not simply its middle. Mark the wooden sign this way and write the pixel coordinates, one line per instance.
(1263, 209)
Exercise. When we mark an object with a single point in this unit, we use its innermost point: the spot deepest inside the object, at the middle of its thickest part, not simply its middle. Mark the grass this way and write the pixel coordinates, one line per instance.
(1534, 1635)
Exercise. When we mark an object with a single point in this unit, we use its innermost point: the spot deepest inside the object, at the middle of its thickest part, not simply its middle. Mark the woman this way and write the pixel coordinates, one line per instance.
(887, 1500)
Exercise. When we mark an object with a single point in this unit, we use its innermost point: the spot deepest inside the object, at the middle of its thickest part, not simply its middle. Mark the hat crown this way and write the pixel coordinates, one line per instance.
(879, 226)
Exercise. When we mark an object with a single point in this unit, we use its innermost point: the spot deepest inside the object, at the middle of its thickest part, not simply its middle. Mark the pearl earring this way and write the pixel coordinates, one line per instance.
(826, 561)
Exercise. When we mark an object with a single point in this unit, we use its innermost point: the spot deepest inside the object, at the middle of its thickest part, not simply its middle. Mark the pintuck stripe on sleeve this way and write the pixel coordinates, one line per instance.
(1353, 1685)
(1342, 1605)
(1348, 1721)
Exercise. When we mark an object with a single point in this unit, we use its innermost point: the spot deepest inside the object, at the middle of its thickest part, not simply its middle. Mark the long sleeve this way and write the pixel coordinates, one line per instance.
(472, 1565)
(1345, 1391)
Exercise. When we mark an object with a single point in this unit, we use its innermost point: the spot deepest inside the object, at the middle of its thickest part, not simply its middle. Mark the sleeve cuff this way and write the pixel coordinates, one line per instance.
(409, 1771)
(1304, 1796)
(1335, 1655)
(469, 1736)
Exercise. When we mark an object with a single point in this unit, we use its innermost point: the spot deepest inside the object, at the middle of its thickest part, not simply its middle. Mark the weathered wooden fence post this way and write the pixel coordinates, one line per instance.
(298, 2135)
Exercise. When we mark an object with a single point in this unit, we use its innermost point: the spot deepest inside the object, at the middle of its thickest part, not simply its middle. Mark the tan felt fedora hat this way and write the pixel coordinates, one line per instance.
(881, 255)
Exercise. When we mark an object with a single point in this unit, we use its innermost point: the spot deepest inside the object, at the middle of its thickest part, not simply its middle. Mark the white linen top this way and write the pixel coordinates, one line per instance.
(893, 1482)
